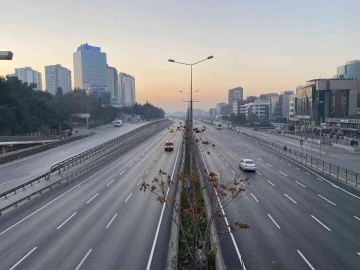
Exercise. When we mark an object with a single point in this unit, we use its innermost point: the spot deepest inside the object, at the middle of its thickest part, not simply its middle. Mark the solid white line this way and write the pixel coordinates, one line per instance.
(260, 159)
(128, 197)
(307, 173)
(66, 221)
(282, 173)
(162, 213)
(23, 258)
(297, 168)
(92, 198)
(233, 172)
(319, 179)
(269, 165)
(137, 159)
(300, 184)
(307, 262)
(290, 198)
(326, 199)
(131, 165)
(258, 173)
(270, 183)
(122, 172)
(254, 197)
(22, 166)
(83, 260)
(111, 221)
(147, 172)
(274, 221)
(227, 164)
(320, 222)
(139, 182)
(110, 183)
(356, 217)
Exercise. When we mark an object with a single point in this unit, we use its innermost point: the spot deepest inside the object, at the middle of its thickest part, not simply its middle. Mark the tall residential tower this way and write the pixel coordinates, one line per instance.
(57, 76)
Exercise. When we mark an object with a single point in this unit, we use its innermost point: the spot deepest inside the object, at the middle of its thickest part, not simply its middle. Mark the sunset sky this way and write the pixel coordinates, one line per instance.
(263, 45)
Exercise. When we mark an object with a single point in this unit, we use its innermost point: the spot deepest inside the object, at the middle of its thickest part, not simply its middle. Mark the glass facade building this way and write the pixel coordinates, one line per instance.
(351, 69)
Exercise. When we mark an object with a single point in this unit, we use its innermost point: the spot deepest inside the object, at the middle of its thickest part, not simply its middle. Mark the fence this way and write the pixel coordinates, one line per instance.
(28, 138)
(332, 170)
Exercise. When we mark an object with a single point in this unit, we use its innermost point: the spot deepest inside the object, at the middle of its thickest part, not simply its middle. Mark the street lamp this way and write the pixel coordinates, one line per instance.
(6, 55)
(191, 91)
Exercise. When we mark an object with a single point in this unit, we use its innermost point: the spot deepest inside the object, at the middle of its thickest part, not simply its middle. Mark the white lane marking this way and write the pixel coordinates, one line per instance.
(128, 197)
(22, 166)
(152, 164)
(83, 259)
(270, 155)
(246, 151)
(282, 173)
(258, 173)
(326, 199)
(321, 223)
(122, 172)
(290, 198)
(147, 172)
(289, 164)
(274, 221)
(319, 179)
(110, 183)
(356, 217)
(92, 198)
(66, 192)
(300, 184)
(131, 165)
(222, 158)
(307, 262)
(227, 164)
(269, 165)
(8, 182)
(281, 160)
(358, 253)
(252, 154)
(23, 258)
(66, 221)
(254, 197)
(270, 183)
(137, 159)
(107, 226)
(276, 157)
(139, 182)
(235, 154)
(233, 172)
(260, 159)
(157, 158)
(162, 212)
(218, 153)
(297, 168)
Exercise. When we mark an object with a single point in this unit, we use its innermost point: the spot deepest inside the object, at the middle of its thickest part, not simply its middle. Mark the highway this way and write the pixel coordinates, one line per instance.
(17, 172)
(299, 219)
(100, 221)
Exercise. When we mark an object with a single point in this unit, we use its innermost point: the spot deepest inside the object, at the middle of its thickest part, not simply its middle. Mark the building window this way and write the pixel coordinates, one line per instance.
(344, 103)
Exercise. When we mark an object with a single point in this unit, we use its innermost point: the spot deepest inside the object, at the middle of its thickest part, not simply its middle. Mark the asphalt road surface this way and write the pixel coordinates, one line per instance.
(100, 221)
(17, 172)
(299, 219)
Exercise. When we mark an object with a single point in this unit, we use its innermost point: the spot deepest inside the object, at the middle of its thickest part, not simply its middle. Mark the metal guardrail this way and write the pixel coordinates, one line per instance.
(71, 175)
(28, 138)
(335, 171)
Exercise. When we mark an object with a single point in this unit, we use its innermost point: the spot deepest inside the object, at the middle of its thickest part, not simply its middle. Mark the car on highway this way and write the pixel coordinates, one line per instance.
(219, 127)
(118, 123)
(169, 146)
(171, 129)
(247, 165)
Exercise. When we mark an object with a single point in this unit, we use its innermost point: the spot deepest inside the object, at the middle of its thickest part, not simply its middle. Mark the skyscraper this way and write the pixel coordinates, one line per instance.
(351, 69)
(29, 75)
(235, 94)
(57, 76)
(127, 89)
(89, 66)
(113, 85)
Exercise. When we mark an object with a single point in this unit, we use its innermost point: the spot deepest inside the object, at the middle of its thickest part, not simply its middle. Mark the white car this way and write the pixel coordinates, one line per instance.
(247, 165)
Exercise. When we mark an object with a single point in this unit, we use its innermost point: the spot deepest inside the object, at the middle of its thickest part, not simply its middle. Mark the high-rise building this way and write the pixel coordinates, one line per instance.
(29, 75)
(57, 76)
(113, 85)
(89, 66)
(285, 97)
(351, 69)
(127, 89)
(235, 94)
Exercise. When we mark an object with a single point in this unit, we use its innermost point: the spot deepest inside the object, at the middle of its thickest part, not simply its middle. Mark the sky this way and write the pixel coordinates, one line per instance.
(263, 45)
